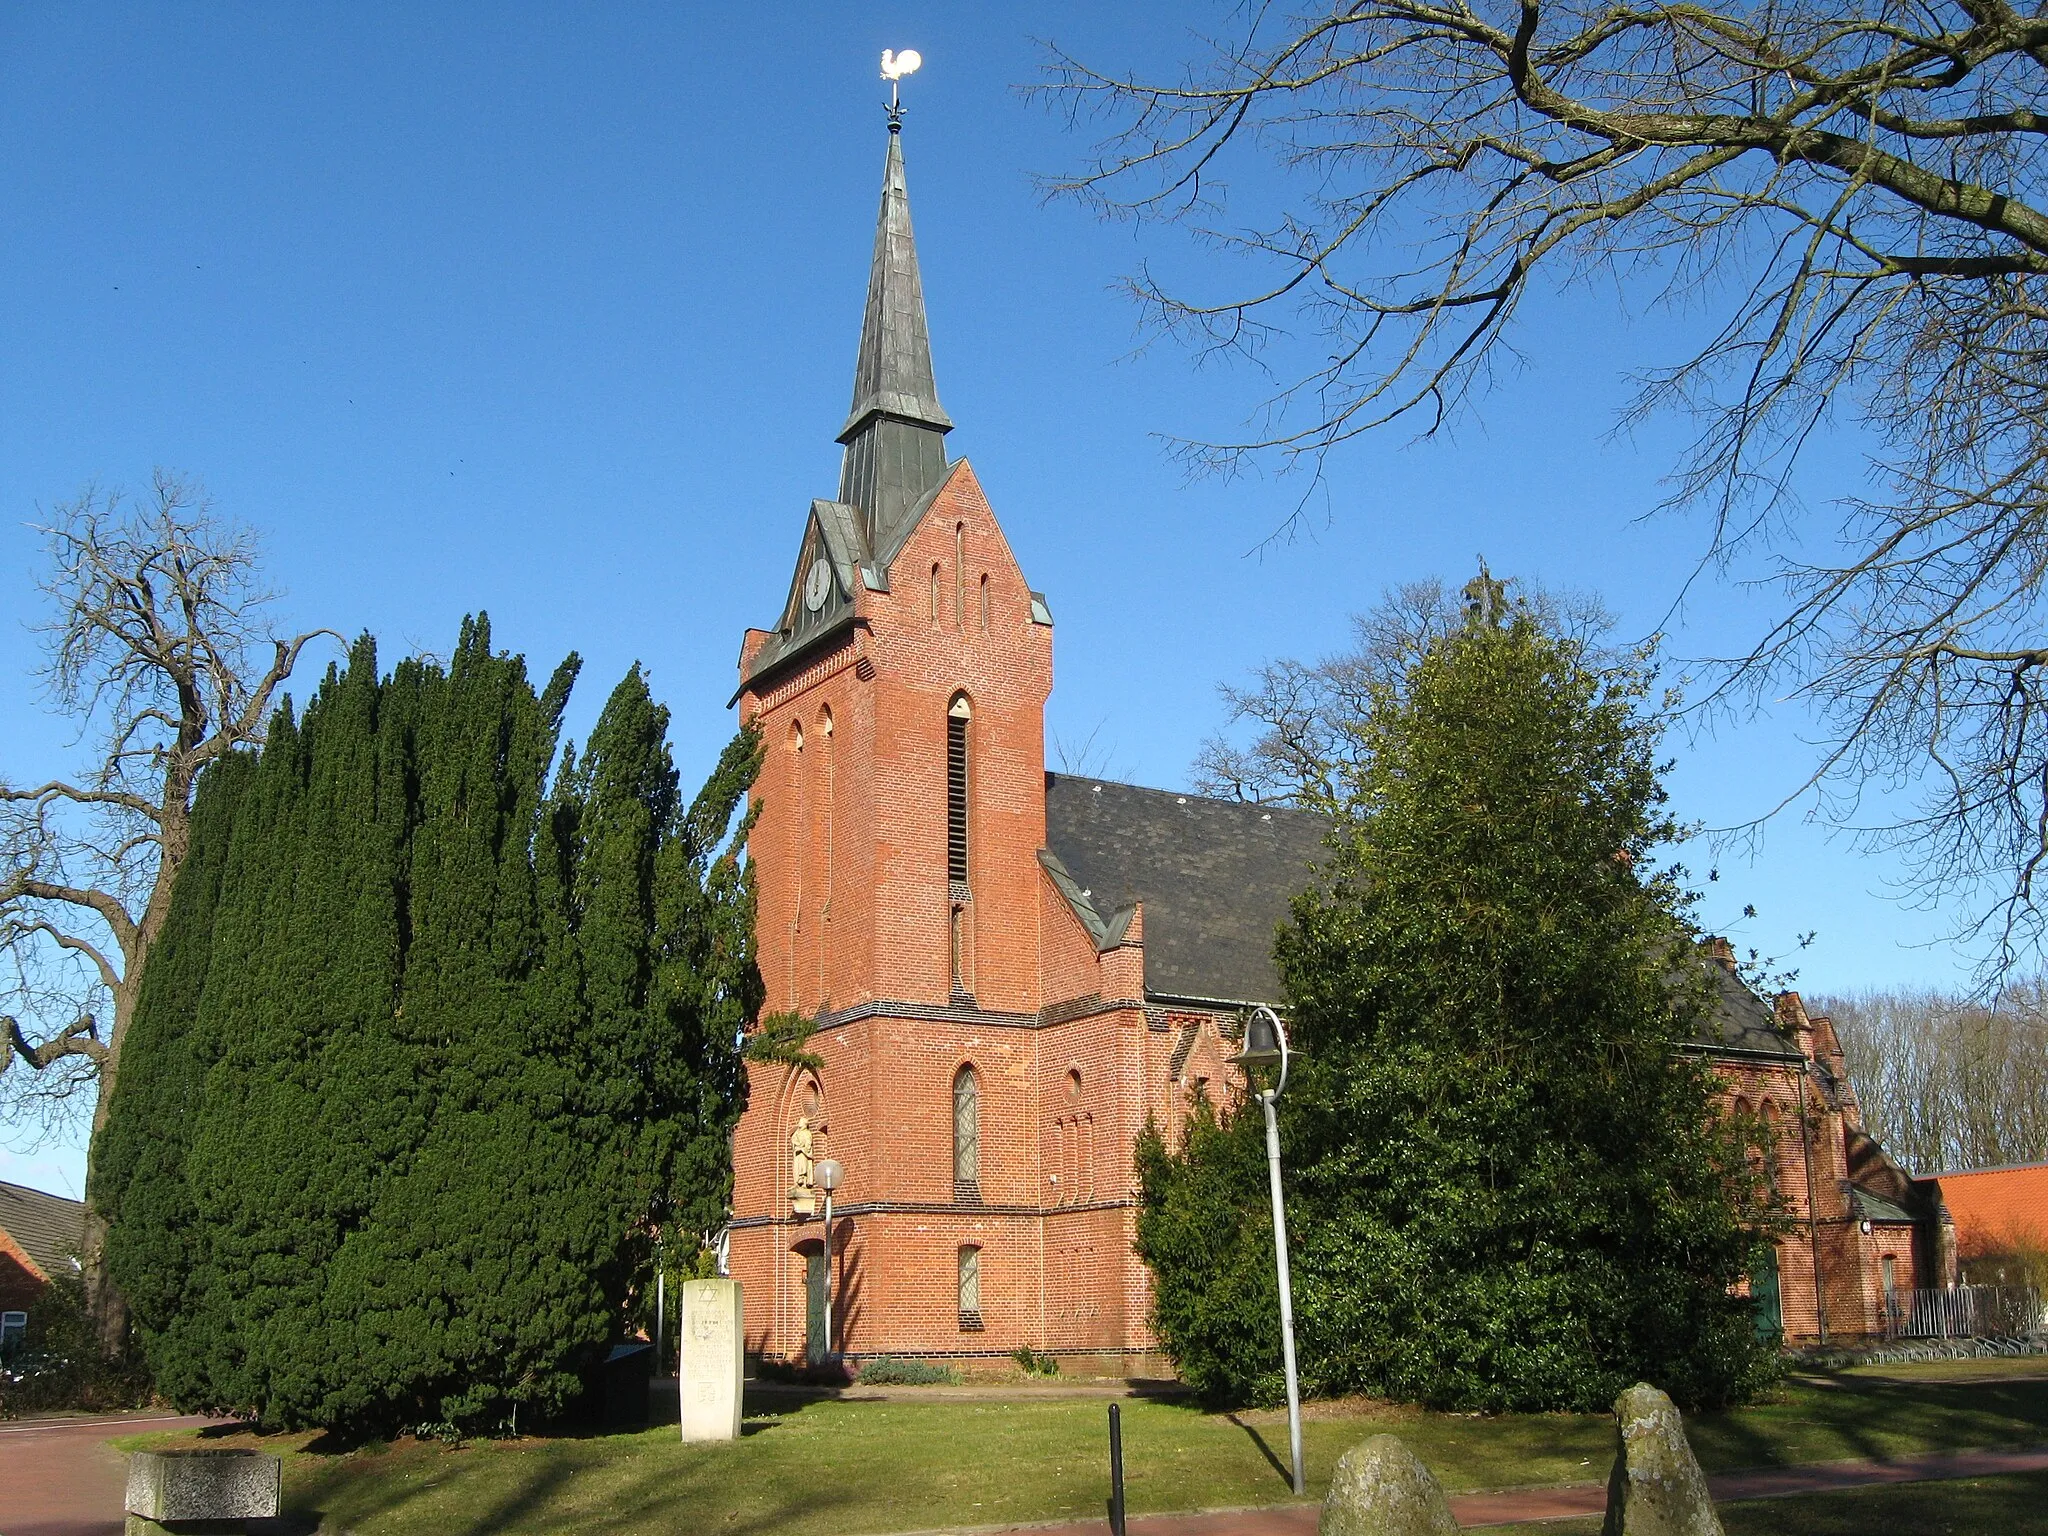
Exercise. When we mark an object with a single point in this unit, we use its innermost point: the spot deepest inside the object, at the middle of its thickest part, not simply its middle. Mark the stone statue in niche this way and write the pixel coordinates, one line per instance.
(802, 1187)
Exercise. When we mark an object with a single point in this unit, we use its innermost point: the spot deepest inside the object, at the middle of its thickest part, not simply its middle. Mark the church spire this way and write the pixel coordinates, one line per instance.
(895, 450)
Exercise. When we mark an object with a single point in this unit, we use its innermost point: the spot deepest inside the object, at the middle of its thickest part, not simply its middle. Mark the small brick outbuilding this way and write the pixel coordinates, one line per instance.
(40, 1236)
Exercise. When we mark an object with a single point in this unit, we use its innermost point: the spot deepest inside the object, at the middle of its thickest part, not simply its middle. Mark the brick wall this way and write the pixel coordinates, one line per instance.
(1826, 1234)
(20, 1280)
(857, 929)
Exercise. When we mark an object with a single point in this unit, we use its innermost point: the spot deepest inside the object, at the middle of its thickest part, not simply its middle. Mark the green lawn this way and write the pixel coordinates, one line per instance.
(829, 1467)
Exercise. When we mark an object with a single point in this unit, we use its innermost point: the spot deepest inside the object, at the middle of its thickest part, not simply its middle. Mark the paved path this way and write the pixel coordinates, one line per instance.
(1513, 1506)
(60, 1477)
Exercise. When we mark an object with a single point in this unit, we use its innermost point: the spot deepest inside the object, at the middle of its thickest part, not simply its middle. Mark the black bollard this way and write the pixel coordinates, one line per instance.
(1116, 1472)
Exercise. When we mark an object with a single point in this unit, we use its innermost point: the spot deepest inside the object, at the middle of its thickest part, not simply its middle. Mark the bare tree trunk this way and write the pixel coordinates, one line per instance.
(158, 644)
(103, 1299)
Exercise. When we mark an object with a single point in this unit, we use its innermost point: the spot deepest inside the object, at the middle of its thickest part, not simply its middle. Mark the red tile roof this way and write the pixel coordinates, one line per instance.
(1994, 1207)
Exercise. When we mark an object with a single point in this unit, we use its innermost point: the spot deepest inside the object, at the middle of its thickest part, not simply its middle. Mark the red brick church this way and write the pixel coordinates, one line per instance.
(1010, 970)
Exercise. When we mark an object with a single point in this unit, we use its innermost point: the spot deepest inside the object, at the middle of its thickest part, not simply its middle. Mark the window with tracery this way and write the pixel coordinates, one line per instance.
(966, 1135)
(970, 1288)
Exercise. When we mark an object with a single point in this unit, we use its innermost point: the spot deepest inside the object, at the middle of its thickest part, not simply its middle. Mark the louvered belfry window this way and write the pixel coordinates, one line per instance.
(956, 791)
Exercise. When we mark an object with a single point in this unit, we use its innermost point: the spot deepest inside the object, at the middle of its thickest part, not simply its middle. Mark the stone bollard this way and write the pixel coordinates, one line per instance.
(1656, 1488)
(1381, 1489)
(201, 1491)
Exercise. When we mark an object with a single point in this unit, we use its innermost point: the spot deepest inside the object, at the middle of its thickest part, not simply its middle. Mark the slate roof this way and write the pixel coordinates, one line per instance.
(1869, 1205)
(894, 435)
(1743, 1021)
(1215, 877)
(49, 1228)
(895, 461)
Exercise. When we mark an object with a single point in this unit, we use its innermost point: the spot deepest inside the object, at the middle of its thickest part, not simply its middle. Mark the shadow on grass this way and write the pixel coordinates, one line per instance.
(1875, 1419)
(2011, 1504)
(1252, 1434)
(537, 1494)
(1156, 1389)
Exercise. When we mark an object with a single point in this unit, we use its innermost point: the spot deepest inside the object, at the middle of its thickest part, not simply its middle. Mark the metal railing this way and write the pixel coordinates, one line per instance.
(1965, 1312)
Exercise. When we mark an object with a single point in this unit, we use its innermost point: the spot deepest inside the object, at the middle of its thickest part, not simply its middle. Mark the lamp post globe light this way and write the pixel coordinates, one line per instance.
(828, 1175)
(1265, 1048)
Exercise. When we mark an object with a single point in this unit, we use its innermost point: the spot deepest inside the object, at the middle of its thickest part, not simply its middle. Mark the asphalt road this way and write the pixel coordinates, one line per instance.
(60, 1477)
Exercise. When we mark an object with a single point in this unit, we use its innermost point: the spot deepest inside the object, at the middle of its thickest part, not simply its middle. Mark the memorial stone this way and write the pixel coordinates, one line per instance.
(1656, 1488)
(711, 1368)
(1381, 1488)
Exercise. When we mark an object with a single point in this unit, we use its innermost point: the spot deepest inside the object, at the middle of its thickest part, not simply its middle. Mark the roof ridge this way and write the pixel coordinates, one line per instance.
(1182, 794)
(41, 1194)
(1963, 1173)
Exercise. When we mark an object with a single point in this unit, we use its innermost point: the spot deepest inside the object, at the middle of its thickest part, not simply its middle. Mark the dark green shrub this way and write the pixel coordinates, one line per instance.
(1507, 1184)
(1205, 1232)
(434, 1050)
(896, 1371)
(1034, 1364)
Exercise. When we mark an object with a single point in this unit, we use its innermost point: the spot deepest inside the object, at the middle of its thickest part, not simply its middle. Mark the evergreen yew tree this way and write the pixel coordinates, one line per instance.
(141, 1154)
(1508, 1186)
(434, 1048)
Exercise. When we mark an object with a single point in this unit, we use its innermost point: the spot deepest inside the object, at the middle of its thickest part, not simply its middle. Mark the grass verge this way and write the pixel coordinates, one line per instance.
(1973, 1506)
(909, 1463)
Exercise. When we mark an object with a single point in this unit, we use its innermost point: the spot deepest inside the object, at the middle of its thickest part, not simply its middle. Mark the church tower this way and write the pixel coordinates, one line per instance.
(901, 698)
(1010, 973)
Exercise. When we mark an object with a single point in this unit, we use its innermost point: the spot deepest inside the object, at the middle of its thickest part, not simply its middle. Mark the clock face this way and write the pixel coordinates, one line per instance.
(817, 585)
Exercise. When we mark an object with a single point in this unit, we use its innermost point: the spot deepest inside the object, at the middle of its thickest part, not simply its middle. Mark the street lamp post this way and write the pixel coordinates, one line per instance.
(828, 1180)
(1265, 1045)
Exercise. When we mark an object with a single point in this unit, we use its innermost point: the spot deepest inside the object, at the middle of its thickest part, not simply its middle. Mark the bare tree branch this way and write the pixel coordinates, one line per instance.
(1857, 190)
(159, 647)
(1291, 736)
(78, 1038)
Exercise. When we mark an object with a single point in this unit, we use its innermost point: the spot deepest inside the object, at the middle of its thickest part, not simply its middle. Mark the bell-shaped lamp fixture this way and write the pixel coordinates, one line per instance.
(1265, 1040)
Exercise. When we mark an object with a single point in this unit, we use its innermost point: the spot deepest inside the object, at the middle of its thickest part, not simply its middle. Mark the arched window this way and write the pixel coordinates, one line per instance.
(959, 575)
(958, 714)
(821, 797)
(970, 1288)
(966, 1136)
(935, 594)
(798, 817)
(823, 794)
(1773, 1143)
(984, 603)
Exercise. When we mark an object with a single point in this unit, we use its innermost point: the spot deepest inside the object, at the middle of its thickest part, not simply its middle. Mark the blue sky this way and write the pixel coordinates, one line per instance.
(552, 312)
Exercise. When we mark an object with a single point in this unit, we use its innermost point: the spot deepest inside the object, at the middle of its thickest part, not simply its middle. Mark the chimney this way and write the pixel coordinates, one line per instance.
(1718, 948)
